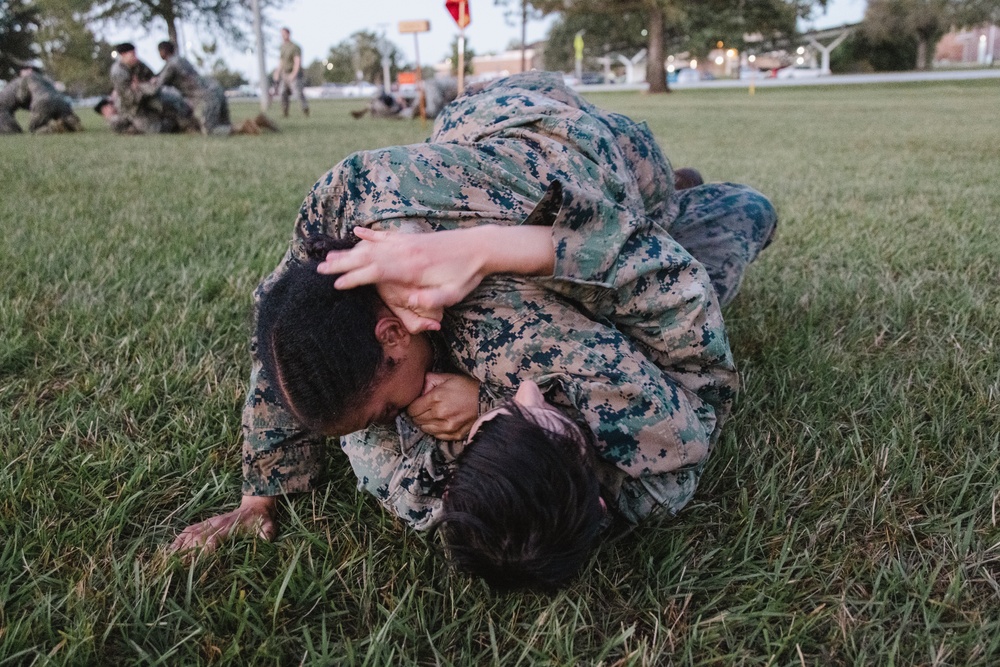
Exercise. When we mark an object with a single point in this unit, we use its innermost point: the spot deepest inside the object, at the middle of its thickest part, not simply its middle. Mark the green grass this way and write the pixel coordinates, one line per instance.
(849, 515)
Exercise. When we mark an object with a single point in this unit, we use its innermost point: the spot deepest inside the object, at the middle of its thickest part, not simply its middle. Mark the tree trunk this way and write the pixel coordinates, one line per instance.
(656, 75)
(170, 16)
(921, 53)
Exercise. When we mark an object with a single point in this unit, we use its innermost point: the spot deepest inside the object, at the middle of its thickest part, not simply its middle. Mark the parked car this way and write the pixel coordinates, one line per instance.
(684, 75)
(245, 90)
(799, 72)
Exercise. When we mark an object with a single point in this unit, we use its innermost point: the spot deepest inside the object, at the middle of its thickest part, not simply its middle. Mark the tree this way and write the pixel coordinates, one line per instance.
(230, 17)
(453, 58)
(361, 52)
(226, 77)
(668, 21)
(19, 20)
(926, 21)
(625, 35)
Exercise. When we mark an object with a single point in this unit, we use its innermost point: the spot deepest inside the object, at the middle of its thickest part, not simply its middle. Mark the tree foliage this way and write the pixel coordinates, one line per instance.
(453, 57)
(690, 24)
(228, 17)
(361, 52)
(19, 21)
(226, 77)
(925, 21)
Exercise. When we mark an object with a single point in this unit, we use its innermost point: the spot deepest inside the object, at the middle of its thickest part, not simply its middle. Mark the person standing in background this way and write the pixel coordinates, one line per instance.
(288, 76)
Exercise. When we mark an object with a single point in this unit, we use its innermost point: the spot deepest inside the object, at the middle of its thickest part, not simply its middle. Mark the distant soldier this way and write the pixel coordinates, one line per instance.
(438, 93)
(204, 94)
(50, 110)
(288, 75)
(160, 112)
(12, 98)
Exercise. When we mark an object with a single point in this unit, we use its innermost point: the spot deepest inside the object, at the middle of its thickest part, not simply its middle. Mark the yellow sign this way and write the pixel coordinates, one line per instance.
(414, 26)
(578, 46)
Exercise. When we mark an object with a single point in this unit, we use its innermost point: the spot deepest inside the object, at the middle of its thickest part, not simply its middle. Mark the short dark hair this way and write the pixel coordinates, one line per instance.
(523, 507)
(316, 343)
(101, 103)
(125, 47)
(167, 47)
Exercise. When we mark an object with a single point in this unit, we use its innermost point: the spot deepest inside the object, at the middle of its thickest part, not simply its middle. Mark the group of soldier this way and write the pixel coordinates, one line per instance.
(178, 99)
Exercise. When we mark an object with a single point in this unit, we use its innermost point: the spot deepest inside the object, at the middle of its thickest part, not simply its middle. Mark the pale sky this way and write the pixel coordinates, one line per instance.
(317, 25)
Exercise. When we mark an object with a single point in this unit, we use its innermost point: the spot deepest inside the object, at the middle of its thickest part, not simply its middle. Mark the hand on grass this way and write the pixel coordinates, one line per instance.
(255, 515)
(448, 407)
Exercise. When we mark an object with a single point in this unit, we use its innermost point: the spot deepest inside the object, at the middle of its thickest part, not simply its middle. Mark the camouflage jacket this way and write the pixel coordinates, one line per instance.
(132, 100)
(181, 74)
(628, 331)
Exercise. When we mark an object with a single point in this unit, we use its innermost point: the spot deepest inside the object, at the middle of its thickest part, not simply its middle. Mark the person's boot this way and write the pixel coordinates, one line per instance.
(306, 112)
(265, 123)
(686, 177)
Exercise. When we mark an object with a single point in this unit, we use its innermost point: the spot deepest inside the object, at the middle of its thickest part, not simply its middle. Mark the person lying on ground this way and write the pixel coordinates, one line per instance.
(596, 182)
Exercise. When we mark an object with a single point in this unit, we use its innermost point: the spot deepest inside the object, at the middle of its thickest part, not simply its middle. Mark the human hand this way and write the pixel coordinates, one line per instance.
(418, 273)
(254, 515)
(448, 406)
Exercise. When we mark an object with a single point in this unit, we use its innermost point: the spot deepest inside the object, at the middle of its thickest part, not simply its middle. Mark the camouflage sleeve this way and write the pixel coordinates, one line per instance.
(647, 423)
(279, 455)
(406, 470)
(128, 97)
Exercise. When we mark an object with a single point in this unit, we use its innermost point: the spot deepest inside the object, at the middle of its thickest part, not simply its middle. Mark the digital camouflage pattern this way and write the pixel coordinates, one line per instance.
(141, 110)
(13, 96)
(204, 95)
(628, 332)
(50, 110)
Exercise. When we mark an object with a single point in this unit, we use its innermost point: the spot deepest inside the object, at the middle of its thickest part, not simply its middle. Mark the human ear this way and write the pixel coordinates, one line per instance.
(391, 334)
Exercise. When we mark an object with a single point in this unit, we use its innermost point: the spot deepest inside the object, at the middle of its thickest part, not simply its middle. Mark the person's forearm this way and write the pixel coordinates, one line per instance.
(525, 251)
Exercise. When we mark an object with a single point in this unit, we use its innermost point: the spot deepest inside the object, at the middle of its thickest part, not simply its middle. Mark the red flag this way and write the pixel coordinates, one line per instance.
(459, 10)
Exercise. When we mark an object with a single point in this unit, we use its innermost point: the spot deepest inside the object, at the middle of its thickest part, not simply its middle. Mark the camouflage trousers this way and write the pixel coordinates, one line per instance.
(724, 226)
(53, 115)
(288, 86)
(8, 124)
(212, 111)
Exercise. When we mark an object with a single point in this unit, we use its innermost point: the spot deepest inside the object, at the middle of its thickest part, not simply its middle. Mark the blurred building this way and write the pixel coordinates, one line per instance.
(498, 65)
(978, 46)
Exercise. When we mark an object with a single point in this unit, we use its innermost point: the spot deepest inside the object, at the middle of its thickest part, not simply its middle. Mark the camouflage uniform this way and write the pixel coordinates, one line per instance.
(289, 85)
(205, 95)
(146, 111)
(628, 332)
(50, 110)
(13, 96)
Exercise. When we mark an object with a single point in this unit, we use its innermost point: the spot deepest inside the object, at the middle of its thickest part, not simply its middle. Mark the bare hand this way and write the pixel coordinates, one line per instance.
(418, 273)
(255, 515)
(448, 407)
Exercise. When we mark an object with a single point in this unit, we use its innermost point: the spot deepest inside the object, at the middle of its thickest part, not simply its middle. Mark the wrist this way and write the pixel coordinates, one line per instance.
(258, 504)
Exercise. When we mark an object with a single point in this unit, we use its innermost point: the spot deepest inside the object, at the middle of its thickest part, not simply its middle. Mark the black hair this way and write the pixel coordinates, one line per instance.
(125, 47)
(101, 103)
(167, 47)
(523, 507)
(316, 343)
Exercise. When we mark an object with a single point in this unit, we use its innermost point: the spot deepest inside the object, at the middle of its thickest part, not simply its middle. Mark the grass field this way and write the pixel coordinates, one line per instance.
(848, 516)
